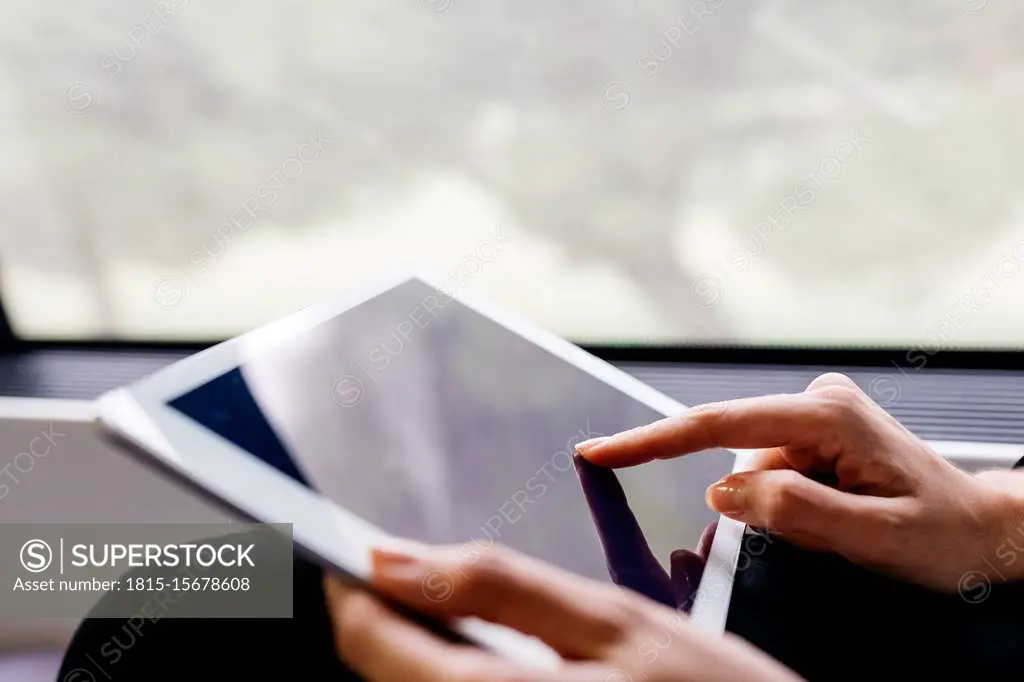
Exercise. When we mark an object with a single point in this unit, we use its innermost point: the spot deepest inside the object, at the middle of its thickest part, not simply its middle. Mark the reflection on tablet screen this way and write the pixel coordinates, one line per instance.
(436, 423)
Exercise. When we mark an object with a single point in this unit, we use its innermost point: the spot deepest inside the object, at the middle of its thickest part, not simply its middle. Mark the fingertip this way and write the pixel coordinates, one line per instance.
(334, 588)
(402, 545)
(707, 539)
(590, 472)
(686, 564)
(589, 449)
(728, 495)
(401, 574)
(338, 593)
(687, 571)
(579, 462)
(612, 455)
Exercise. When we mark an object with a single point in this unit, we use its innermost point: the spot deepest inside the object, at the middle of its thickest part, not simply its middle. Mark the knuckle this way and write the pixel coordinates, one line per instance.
(886, 532)
(708, 418)
(783, 500)
(844, 396)
(492, 567)
(831, 379)
(505, 675)
(712, 411)
(840, 403)
(616, 614)
(354, 623)
(475, 670)
(623, 613)
(355, 613)
(897, 523)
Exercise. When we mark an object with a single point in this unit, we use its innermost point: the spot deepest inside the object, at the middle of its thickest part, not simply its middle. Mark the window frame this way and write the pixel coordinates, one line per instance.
(792, 356)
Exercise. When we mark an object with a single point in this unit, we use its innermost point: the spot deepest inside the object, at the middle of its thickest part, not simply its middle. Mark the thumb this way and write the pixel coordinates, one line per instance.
(687, 569)
(804, 511)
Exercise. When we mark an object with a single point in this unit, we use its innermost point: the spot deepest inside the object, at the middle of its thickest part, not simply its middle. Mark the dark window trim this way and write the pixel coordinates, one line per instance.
(734, 355)
(901, 357)
(7, 337)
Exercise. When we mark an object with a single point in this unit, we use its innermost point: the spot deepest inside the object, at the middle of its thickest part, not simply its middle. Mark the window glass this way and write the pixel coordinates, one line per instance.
(775, 172)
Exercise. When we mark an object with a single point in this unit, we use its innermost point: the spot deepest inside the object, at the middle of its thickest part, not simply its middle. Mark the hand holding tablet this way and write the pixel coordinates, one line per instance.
(602, 634)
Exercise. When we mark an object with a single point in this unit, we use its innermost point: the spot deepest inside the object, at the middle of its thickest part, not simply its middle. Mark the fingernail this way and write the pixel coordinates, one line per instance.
(727, 496)
(399, 545)
(393, 564)
(588, 445)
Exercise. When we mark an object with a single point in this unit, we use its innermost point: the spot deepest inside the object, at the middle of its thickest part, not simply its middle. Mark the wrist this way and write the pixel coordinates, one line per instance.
(1003, 515)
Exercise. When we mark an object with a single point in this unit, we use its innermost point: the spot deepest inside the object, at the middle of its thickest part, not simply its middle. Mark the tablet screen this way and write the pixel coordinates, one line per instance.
(434, 422)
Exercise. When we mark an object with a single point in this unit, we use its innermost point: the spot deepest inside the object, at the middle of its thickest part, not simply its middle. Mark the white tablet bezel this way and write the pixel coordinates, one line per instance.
(140, 414)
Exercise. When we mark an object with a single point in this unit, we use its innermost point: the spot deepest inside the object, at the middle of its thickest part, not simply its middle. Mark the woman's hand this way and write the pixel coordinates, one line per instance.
(836, 472)
(603, 633)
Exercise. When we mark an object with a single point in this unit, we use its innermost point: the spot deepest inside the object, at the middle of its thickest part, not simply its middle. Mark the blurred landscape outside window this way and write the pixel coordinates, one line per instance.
(836, 173)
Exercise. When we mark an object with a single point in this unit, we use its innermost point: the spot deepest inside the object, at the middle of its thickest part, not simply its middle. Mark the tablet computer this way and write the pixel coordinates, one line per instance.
(407, 411)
